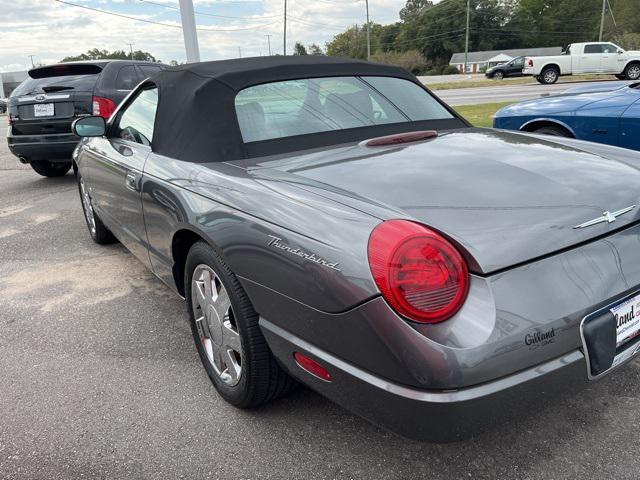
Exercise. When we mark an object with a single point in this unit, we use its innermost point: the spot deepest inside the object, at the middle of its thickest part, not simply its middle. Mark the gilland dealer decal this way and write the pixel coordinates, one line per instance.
(312, 257)
(627, 316)
(540, 339)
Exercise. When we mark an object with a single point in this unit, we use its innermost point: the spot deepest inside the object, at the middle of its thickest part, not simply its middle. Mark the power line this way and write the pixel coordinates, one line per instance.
(201, 29)
(437, 36)
(207, 14)
(314, 24)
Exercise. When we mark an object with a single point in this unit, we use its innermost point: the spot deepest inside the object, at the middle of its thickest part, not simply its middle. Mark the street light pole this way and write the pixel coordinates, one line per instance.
(284, 47)
(131, 50)
(368, 32)
(466, 42)
(604, 9)
(189, 31)
(32, 64)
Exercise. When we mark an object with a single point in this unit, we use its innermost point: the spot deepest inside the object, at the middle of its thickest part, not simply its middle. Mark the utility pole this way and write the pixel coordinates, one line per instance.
(284, 48)
(604, 9)
(33, 65)
(189, 31)
(131, 49)
(269, 42)
(466, 42)
(368, 32)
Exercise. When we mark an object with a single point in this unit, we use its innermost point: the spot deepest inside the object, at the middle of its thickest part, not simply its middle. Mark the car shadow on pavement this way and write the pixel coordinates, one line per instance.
(512, 447)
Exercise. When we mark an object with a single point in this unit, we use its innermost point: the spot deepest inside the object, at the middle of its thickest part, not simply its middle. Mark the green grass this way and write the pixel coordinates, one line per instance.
(513, 81)
(480, 115)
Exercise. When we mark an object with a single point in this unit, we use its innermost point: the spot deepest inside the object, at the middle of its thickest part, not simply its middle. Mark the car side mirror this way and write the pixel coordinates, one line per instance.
(620, 52)
(89, 126)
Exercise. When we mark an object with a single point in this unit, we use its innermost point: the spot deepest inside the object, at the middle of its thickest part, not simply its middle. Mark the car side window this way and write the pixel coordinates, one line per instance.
(609, 48)
(135, 123)
(148, 70)
(519, 62)
(593, 48)
(127, 78)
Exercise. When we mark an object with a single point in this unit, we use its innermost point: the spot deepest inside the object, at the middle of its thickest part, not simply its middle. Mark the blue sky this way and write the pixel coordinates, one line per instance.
(51, 30)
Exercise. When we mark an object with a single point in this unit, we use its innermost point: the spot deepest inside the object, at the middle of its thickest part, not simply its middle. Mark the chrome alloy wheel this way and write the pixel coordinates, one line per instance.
(216, 324)
(633, 72)
(88, 209)
(550, 76)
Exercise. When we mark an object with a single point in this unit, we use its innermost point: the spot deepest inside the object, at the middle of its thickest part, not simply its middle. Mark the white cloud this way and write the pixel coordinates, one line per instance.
(50, 30)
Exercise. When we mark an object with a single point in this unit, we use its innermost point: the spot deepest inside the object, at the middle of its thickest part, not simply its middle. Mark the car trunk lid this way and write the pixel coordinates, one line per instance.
(506, 198)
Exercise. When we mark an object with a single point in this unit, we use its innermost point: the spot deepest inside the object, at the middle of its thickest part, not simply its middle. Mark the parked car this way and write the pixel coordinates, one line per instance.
(42, 108)
(3, 105)
(331, 221)
(590, 57)
(508, 69)
(605, 113)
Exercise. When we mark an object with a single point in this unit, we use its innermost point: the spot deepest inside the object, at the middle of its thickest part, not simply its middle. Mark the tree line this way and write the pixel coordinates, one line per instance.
(428, 34)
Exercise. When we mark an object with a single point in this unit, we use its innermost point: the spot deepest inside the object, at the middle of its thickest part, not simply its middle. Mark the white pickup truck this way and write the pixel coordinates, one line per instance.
(590, 57)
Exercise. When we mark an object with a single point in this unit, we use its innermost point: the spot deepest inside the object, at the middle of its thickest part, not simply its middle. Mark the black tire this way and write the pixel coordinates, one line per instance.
(499, 75)
(261, 379)
(538, 78)
(50, 169)
(549, 76)
(632, 71)
(99, 233)
(551, 130)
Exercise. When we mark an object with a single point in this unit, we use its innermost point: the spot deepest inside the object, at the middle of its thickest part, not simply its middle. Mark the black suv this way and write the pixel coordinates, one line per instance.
(43, 107)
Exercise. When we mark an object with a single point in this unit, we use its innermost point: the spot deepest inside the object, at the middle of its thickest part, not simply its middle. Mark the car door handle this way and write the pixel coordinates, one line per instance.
(131, 181)
(125, 151)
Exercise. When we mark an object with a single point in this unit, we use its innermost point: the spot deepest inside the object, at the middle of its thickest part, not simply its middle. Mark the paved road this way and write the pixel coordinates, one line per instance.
(99, 379)
(504, 93)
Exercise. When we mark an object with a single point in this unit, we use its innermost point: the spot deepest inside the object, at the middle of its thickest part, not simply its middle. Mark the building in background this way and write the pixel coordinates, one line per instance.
(9, 81)
(480, 61)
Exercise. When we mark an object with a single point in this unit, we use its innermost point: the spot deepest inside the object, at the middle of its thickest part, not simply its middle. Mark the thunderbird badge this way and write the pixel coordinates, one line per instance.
(607, 216)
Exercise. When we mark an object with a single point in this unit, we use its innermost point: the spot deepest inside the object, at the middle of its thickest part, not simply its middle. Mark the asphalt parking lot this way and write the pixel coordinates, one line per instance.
(99, 378)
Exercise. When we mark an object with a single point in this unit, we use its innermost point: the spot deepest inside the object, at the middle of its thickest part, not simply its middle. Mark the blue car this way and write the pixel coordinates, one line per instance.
(606, 113)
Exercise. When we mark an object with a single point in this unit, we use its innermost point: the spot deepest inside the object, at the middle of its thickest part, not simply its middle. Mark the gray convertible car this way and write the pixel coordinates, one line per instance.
(332, 222)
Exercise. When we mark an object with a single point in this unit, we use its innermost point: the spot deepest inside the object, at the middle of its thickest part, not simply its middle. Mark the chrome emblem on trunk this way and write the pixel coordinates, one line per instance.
(41, 98)
(607, 216)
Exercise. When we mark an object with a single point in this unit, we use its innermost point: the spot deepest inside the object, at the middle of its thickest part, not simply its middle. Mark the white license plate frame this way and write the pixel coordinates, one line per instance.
(627, 332)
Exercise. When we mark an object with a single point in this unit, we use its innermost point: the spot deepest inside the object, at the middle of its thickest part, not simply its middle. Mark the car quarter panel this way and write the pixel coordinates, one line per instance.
(273, 233)
(510, 322)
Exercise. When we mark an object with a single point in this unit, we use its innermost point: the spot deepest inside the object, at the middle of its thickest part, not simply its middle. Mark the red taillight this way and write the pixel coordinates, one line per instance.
(311, 366)
(530, 62)
(103, 107)
(420, 274)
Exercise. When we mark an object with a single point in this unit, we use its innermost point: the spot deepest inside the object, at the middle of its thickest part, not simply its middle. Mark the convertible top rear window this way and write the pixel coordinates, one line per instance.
(314, 105)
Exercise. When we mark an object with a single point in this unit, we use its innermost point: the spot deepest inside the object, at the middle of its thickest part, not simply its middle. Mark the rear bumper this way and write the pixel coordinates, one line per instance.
(54, 147)
(431, 415)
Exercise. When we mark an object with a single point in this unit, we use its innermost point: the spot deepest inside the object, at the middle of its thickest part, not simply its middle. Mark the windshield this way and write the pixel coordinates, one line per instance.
(314, 105)
(84, 83)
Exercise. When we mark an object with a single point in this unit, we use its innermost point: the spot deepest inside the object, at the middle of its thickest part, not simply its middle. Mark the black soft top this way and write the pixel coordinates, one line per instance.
(196, 119)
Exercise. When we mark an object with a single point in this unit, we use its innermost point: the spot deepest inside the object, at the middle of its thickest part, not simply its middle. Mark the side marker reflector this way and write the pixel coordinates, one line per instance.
(311, 366)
